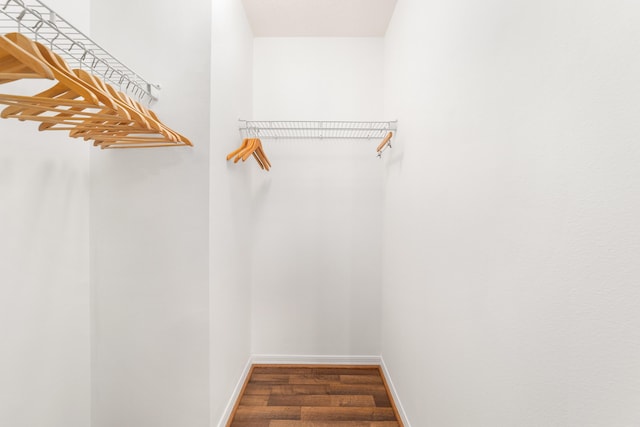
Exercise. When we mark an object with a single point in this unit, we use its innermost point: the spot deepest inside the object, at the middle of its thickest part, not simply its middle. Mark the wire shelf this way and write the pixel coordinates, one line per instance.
(316, 129)
(44, 25)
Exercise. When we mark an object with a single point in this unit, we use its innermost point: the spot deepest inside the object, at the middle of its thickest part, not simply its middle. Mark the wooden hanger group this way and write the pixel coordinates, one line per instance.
(251, 147)
(79, 102)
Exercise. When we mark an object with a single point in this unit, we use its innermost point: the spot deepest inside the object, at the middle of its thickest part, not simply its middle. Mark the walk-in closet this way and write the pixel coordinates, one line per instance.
(418, 212)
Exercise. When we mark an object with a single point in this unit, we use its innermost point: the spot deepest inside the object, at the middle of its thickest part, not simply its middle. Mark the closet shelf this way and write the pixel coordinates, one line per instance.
(41, 23)
(316, 129)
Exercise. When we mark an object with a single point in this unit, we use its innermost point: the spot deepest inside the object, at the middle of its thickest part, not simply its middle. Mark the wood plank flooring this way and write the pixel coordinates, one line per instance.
(314, 396)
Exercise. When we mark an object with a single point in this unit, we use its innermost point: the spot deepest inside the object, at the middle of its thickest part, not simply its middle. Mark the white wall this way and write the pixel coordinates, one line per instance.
(511, 213)
(317, 221)
(44, 278)
(44, 268)
(230, 197)
(150, 228)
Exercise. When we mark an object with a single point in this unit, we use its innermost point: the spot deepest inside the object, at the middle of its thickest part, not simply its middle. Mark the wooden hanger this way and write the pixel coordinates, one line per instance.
(256, 147)
(384, 142)
(132, 138)
(251, 147)
(129, 137)
(248, 149)
(263, 157)
(262, 165)
(17, 63)
(258, 153)
(239, 149)
(11, 69)
(113, 141)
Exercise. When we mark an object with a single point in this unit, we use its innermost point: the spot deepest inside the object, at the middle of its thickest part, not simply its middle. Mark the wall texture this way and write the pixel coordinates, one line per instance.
(230, 204)
(150, 228)
(316, 224)
(44, 267)
(511, 204)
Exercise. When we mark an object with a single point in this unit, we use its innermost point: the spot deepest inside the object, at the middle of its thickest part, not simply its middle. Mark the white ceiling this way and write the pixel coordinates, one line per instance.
(319, 18)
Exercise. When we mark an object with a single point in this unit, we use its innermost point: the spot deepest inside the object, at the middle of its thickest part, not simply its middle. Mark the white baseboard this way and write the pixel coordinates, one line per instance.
(236, 393)
(394, 394)
(276, 359)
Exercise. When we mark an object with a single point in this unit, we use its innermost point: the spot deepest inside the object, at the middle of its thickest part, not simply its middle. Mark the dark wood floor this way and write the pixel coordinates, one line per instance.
(314, 396)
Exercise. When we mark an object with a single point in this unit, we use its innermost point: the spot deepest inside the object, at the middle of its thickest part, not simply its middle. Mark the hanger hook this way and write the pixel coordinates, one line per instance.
(84, 52)
(38, 24)
(73, 43)
(94, 62)
(106, 67)
(121, 80)
(18, 2)
(92, 54)
(106, 70)
(55, 27)
(21, 15)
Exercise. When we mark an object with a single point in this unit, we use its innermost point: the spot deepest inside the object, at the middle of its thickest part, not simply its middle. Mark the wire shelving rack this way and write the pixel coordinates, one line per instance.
(316, 129)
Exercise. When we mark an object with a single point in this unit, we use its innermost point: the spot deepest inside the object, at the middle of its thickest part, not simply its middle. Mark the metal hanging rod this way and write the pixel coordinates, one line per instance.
(316, 129)
(41, 23)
